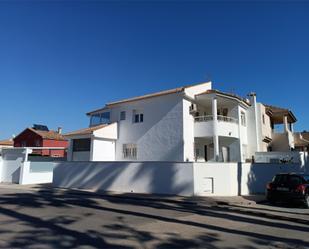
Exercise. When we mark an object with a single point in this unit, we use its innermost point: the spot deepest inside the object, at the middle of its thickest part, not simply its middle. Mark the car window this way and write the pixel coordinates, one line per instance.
(295, 180)
(306, 178)
(280, 178)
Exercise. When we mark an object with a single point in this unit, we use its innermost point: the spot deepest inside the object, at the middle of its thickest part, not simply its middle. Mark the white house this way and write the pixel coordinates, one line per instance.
(190, 123)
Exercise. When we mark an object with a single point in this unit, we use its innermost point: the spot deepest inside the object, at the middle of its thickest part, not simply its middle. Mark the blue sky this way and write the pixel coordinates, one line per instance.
(60, 59)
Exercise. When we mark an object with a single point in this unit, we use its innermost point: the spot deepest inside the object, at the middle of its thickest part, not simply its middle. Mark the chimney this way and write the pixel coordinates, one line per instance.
(59, 130)
(252, 96)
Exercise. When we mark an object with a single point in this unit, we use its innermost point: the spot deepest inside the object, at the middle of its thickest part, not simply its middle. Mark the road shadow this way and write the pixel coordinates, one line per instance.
(62, 231)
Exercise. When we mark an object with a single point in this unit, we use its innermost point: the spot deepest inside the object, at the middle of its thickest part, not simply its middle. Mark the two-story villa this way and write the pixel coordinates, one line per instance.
(190, 123)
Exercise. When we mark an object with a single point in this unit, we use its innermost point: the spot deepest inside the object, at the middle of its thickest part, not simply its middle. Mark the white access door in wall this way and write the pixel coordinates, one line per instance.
(208, 185)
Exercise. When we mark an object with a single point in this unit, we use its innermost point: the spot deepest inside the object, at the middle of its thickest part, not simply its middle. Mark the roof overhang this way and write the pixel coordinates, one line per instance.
(277, 114)
(147, 96)
(108, 131)
(215, 93)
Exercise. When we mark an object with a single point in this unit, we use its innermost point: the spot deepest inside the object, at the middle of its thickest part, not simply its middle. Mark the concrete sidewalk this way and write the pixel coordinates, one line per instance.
(206, 200)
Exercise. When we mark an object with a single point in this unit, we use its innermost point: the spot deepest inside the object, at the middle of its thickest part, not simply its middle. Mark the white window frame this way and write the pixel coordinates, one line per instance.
(139, 115)
(123, 115)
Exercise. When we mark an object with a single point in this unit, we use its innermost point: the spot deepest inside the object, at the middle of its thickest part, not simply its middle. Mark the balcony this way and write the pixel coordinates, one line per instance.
(204, 126)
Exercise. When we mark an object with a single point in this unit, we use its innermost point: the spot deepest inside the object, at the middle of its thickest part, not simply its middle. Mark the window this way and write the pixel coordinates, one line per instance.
(263, 118)
(280, 179)
(243, 118)
(100, 118)
(95, 119)
(138, 117)
(105, 117)
(295, 180)
(82, 144)
(123, 115)
(129, 151)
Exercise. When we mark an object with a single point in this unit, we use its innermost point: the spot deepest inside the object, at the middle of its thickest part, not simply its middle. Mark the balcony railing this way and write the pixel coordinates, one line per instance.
(219, 118)
(203, 118)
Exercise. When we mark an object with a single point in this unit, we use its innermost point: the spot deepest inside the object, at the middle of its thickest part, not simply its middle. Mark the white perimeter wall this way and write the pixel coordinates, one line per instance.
(186, 179)
(10, 164)
(129, 177)
(81, 156)
(254, 177)
(222, 175)
(14, 168)
(42, 174)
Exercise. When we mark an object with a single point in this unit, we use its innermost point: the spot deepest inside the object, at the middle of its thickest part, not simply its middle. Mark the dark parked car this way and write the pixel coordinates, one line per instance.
(289, 187)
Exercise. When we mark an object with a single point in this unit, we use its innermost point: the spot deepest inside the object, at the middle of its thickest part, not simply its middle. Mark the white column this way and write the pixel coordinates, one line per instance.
(215, 128)
(239, 134)
(256, 121)
(285, 122)
(26, 152)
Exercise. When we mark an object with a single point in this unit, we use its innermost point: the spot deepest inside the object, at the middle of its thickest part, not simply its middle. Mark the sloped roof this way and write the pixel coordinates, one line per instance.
(146, 96)
(277, 114)
(52, 135)
(8, 142)
(86, 131)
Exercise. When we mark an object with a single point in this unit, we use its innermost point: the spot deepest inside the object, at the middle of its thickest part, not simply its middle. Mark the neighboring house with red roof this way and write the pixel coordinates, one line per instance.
(47, 140)
(7, 143)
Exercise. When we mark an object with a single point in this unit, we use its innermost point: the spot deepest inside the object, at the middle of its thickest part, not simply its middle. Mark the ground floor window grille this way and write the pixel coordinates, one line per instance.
(129, 151)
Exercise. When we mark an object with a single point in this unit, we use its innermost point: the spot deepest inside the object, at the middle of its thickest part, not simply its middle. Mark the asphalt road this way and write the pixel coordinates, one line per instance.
(42, 217)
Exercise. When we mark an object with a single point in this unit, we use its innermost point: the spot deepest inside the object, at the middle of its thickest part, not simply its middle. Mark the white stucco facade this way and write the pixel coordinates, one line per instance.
(186, 124)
